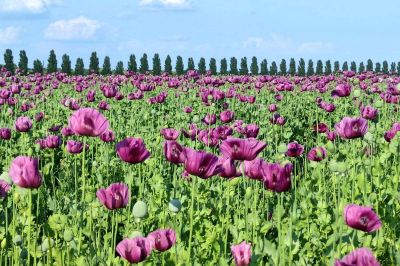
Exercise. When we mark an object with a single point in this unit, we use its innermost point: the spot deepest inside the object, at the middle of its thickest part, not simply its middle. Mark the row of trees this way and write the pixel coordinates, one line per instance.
(94, 67)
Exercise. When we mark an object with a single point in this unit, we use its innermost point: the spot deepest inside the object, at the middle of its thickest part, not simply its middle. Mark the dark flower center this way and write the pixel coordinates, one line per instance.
(364, 221)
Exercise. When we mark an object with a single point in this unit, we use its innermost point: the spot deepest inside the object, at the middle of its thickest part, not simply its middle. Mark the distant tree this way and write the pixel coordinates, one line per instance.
(38, 66)
(398, 68)
(254, 66)
(52, 62)
(9, 61)
(301, 69)
(79, 67)
(328, 68)
(310, 68)
(168, 65)
(66, 65)
(23, 62)
(292, 67)
(94, 63)
(119, 69)
(282, 67)
(244, 70)
(233, 66)
(319, 68)
(191, 64)
(224, 67)
(156, 65)
(144, 64)
(345, 66)
(179, 67)
(370, 66)
(132, 66)
(213, 66)
(264, 67)
(378, 68)
(353, 66)
(106, 70)
(385, 67)
(274, 69)
(392, 68)
(336, 67)
(361, 68)
(202, 66)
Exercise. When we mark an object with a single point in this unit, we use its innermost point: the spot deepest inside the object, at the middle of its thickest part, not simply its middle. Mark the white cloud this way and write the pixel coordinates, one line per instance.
(34, 6)
(80, 28)
(180, 4)
(312, 47)
(9, 35)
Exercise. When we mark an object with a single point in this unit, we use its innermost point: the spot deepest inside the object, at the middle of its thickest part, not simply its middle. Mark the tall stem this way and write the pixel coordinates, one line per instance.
(191, 216)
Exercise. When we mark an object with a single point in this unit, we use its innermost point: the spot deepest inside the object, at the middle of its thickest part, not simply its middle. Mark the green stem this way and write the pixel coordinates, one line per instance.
(191, 216)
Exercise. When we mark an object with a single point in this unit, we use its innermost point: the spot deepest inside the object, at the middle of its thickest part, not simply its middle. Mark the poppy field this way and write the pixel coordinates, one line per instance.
(199, 169)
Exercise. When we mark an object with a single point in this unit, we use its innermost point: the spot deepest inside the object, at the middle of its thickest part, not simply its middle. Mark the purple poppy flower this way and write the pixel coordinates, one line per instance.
(229, 169)
(350, 128)
(173, 152)
(5, 133)
(74, 147)
(107, 136)
(251, 130)
(241, 149)
(162, 239)
(361, 218)
(24, 172)
(88, 122)
(53, 142)
(276, 177)
(254, 169)
(4, 188)
(241, 254)
(359, 257)
(116, 196)
(132, 150)
(134, 250)
(23, 124)
(294, 149)
(226, 116)
(368, 112)
(201, 163)
(170, 133)
(317, 154)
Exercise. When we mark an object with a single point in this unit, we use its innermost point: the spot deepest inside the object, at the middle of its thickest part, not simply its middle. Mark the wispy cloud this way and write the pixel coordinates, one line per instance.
(31, 6)
(9, 35)
(315, 47)
(170, 4)
(80, 28)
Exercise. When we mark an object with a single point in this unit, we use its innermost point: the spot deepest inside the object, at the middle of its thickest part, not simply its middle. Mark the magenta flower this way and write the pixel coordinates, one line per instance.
(226, 116)
(5, 133)
(390, 134)
(132, 150)
(88, 122)
(272, 108)
(209, 119)
(67, 131)
(187, 109)
(107, 136)
(368, 112)
(4, 188)
(23, 124)
(170, 133)
(294, 149)
(321, 128)
(276, 177)
(331, 135)
(254, 169)
(39, 116)
(361, 218)
(53, 142)
(134, 250)
(251, 130)
(359, 257)
(351, 128)
(242, 254)
(201, 163)
(116, 196)
(241, 149)
(229, 169)
(173, 152)
(317, 154)
(74, 147)
(162, 239)
(24, 172)
(342, 90)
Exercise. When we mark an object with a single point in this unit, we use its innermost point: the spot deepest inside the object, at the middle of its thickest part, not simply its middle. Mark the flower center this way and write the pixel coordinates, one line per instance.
(364, 221)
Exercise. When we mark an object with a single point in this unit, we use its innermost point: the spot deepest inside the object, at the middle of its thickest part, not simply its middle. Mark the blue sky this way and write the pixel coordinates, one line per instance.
(272, 29)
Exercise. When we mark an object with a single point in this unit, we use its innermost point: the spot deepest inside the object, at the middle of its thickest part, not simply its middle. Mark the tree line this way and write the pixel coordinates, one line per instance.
(294, 68)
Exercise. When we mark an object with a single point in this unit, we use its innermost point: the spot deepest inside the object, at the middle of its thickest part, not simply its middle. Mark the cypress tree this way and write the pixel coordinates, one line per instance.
(66, 65)
(336, 67)
(179, 67)
(202, 66)
(132, 65)
(79, 67)
(106, 66)
(398, 68)
(254, 66)
(301, 71)
(310, 68)
(38, 66)
(274, 69)
(191, 64)
(385, 67)
(156, 65)
(23, 62)
(393, 68)
(233, 66)
(319, 68)
(94, 63)
(282, 67)
(9, 61)
(264, 67)
(353, 66)
(168, 65)
(370, 66)
(378, 68)
(213, 66)
(119, 69)
(224, 67)
(292, 67)
(328, 67)
(345, 66)
(144, 64)
(52, 62)
(361, 68)
(244, 70)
